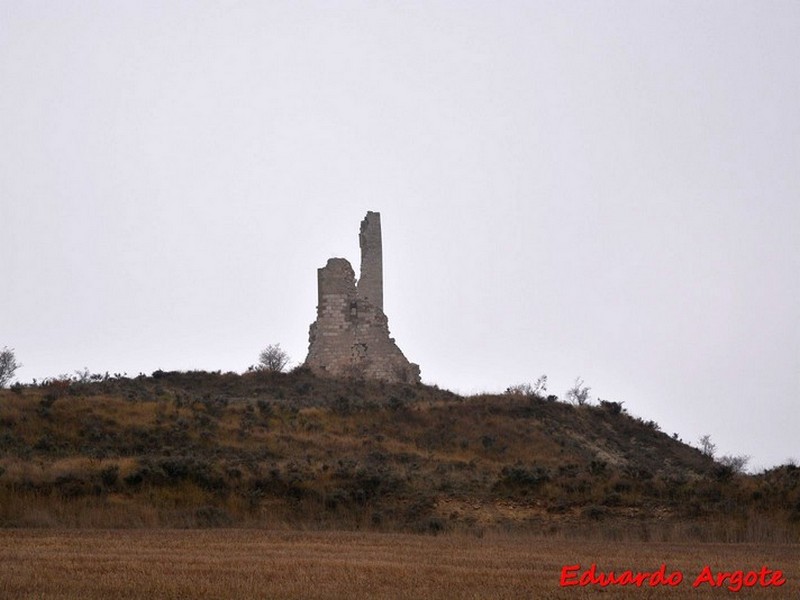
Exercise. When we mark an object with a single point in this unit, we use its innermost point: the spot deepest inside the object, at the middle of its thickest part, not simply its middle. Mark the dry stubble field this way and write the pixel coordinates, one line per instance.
(122, 564)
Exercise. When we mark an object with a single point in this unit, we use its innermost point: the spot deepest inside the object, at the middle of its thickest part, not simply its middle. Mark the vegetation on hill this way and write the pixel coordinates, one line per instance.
(272, 449)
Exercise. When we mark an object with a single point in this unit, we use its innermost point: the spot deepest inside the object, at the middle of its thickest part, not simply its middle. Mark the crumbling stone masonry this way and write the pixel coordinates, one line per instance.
(350, 337)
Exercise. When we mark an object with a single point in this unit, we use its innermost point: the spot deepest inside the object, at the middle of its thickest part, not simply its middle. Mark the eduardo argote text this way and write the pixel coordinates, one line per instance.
(732, 580)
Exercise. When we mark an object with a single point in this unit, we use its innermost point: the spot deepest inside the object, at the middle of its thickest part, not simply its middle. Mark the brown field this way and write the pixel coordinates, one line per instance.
(229, 563)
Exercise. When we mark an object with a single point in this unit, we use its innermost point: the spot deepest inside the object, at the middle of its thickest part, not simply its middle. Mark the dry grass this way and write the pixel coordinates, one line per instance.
(232, 564)
(271, 450)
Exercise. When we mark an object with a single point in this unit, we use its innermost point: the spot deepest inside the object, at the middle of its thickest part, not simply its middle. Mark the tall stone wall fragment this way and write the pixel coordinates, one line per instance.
(350, 337)
(370, 285)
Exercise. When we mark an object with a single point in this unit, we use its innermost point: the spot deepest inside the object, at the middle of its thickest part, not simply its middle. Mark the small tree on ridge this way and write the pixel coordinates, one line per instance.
(578, 394)
(707, 447)
(273, 359)
(8, 365)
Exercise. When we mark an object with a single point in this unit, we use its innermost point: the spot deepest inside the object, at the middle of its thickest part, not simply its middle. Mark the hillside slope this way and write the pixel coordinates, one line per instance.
(293, 450)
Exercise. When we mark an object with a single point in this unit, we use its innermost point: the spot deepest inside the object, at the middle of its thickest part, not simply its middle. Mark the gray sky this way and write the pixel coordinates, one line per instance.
(603, 189)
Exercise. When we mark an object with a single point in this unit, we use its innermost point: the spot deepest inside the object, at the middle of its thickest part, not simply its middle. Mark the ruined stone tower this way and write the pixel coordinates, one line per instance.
(350, 337)
(370, 285)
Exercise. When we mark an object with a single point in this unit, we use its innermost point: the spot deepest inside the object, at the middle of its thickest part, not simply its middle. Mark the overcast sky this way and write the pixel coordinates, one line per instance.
(608, 190)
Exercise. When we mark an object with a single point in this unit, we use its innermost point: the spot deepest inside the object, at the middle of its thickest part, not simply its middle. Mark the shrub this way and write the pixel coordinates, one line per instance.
(8, 366)
(723, 473)
(594, 512)
(597, 467)
(273, 359)
(578, 394)
(613, 408)
(537, 390)
(707, 447)
(395, 404)
(265, 408)
(520, 479)
(109, 475)
(520, 389)
(738, 464)
(341, 406)
(55, 389)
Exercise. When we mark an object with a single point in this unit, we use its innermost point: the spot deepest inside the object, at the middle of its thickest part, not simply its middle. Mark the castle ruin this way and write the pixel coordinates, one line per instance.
(350, 337)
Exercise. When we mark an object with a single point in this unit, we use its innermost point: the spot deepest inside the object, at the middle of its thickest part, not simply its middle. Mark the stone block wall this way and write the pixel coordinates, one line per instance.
(370, 285)
(350, 337)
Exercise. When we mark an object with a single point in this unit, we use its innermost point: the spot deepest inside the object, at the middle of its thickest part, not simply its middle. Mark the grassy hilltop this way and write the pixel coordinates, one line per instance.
(291, 450)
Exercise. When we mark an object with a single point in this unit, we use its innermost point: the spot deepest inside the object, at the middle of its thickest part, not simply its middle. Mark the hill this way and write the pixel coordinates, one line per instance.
(198, 449)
